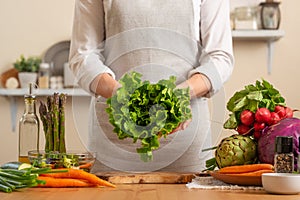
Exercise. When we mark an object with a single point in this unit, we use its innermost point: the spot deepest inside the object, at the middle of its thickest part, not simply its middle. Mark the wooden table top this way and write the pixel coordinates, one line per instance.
(141, 191)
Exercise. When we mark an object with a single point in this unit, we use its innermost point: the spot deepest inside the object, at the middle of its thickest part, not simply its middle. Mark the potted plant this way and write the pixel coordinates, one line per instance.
(27, 69)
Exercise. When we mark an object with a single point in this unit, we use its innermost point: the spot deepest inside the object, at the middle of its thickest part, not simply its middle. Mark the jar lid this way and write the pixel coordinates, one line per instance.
(271, 3)
(44, 65)
(284, 144)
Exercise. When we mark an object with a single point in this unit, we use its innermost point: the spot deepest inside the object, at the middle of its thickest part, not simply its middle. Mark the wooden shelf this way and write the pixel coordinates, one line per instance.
(269, 36)
(43, 92)
(13, 94)
(265, 35)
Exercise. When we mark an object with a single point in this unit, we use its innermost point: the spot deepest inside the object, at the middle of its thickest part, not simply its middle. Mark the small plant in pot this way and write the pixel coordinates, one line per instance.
(27, 69)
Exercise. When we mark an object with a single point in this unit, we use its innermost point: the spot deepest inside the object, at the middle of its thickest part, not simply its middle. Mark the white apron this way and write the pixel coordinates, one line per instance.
(158, 39)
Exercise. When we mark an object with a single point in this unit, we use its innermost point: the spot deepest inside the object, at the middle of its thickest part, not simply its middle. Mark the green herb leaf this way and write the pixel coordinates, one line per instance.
(231, 123)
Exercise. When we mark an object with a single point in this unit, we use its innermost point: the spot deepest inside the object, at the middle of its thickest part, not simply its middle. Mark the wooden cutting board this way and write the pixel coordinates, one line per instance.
(151, 177)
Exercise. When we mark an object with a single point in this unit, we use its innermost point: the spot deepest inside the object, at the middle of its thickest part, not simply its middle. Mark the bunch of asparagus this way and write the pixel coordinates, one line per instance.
(52, 115)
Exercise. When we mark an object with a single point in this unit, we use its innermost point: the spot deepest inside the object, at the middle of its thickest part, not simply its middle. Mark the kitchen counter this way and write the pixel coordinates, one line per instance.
(140, 191)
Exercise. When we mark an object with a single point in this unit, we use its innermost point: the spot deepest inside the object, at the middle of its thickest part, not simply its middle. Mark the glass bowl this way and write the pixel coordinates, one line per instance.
(71, 159)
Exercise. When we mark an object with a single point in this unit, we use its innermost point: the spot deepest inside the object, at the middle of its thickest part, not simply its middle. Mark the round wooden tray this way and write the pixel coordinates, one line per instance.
(237, 179)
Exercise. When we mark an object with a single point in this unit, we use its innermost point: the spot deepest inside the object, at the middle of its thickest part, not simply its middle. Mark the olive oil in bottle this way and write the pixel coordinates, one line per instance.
(28, 127)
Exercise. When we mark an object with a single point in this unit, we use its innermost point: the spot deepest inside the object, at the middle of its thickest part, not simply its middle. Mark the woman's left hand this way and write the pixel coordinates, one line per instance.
(182, 126)
(199, 85)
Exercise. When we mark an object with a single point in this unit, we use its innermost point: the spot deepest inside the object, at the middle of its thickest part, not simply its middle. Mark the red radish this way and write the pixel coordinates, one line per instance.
(243, 129)
(274, 118)
(257, 134)
(262, 115)
(288, 112)
(280, 110)
(247, 117)
(258, 126)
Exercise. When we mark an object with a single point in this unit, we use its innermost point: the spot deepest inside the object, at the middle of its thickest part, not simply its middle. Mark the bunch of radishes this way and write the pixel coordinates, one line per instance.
(255, 107)
(252, 123)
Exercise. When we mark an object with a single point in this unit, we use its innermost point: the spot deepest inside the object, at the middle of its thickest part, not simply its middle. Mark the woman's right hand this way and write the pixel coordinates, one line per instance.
(104, 85)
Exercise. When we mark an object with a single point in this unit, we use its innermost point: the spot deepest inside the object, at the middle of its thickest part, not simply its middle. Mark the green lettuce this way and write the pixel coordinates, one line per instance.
(144, 111)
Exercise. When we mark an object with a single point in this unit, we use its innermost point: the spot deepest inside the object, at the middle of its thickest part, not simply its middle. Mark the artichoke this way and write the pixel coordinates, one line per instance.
(236, 150)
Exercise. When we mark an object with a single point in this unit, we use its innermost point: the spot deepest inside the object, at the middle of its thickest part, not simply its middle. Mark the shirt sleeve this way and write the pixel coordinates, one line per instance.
(216, 60)
(87, 43)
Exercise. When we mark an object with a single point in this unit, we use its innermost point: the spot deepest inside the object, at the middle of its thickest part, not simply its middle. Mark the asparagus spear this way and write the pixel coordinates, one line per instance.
(53, 118)
(50, 123)
(62, 103)
(55, 121)
(43, 115)
(50, 132)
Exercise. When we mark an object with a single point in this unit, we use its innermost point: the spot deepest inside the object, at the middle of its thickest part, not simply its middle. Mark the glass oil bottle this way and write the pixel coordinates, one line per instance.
(28, 127)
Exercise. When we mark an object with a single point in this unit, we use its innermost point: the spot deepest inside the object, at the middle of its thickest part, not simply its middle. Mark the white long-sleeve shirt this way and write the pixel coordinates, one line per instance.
(202, 22)
(157, 38)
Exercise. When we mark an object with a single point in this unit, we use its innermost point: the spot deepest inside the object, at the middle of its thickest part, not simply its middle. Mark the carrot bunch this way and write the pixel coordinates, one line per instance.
(248, 170)
(73, 178)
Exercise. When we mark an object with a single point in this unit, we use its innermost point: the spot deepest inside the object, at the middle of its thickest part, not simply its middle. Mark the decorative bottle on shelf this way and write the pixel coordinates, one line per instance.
(28, 127)
(270, 14)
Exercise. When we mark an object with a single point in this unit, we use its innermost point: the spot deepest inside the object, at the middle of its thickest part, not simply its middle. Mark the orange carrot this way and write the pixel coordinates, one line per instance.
(85, 166)
(237, 169)
(63, 182)
(80, 174)
(256, 173)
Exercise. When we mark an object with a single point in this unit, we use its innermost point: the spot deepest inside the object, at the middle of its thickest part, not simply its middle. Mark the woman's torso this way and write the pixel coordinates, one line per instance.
(158, 39)
(152, 32)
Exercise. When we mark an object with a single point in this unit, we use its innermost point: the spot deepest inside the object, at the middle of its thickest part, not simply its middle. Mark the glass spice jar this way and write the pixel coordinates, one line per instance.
(245, 18)
(44, 75)
(284, 157)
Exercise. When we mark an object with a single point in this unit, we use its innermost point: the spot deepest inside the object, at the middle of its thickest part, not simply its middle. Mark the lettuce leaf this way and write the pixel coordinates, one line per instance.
(146, 112)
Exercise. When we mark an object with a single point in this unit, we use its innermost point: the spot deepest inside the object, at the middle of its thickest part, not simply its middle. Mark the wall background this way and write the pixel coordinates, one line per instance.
(30, 27)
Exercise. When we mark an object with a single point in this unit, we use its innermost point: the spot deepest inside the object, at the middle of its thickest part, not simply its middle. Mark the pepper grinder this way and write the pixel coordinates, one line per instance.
(284, 157)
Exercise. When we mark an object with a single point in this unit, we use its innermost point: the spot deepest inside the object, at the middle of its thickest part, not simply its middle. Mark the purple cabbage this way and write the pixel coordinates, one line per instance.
(266, 143)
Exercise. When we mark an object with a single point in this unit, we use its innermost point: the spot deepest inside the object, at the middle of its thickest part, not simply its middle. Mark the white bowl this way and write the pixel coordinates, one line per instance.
(281, 183)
